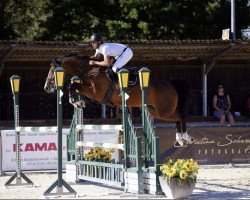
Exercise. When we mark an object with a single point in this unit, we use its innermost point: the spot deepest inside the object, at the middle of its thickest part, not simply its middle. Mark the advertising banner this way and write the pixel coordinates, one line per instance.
(210, 145)
(38, 151)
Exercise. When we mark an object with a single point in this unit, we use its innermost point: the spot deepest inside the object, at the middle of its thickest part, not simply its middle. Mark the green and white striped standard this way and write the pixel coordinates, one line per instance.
(36, 129)
(101, 145)
(98, 127)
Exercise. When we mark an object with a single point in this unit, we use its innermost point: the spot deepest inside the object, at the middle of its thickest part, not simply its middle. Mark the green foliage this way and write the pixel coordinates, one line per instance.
(25, 18)
(59, 20)
(118, 29)
(76, 20)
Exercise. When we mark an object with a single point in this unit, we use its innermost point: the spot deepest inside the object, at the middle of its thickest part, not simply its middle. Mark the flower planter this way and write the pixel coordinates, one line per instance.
(173, 191)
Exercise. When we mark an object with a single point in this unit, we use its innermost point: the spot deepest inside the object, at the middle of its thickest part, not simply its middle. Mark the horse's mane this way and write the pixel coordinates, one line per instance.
(93, 72)
(90, 72)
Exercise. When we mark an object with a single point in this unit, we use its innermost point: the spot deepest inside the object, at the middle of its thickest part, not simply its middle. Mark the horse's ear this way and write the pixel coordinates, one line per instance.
(54, 62)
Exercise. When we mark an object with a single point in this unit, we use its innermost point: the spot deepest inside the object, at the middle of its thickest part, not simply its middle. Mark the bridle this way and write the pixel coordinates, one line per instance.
(85, 76)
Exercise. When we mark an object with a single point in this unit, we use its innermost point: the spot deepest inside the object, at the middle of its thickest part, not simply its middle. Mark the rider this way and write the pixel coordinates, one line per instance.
(120, 53)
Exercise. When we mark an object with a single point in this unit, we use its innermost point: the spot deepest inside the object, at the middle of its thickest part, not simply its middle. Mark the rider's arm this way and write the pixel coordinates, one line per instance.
(103, 63)
(215, 103)
(229, 103)
(97, 54)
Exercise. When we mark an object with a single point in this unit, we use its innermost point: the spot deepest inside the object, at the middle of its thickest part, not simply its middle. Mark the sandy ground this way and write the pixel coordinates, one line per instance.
(225, 182)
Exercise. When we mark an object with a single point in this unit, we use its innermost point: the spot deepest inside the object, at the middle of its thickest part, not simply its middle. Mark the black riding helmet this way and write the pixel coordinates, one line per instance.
(96, 37)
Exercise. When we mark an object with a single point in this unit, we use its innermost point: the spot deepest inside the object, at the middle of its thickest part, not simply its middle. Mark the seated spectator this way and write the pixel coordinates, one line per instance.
(222, 106)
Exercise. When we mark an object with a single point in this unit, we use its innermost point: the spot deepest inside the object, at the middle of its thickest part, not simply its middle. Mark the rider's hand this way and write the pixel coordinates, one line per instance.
(92, 62)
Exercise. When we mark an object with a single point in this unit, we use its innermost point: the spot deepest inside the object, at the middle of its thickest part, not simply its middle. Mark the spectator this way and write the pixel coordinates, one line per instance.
(222, 106)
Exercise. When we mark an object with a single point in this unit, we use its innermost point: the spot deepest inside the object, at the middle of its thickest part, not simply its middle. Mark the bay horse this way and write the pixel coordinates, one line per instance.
(166, 99)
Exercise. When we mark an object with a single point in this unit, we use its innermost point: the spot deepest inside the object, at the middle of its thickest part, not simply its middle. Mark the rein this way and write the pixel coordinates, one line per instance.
(87, 77)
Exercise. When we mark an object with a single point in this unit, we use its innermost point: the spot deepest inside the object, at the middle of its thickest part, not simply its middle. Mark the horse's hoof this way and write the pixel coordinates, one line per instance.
(74, 104)
(81, 104)
(178, 136)
(181, 142)
(186, 137)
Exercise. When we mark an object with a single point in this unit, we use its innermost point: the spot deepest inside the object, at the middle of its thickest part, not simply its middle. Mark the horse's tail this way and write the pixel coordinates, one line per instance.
(182, 88)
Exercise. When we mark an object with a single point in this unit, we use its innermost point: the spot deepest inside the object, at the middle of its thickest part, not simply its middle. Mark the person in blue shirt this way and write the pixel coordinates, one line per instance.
(222, 106)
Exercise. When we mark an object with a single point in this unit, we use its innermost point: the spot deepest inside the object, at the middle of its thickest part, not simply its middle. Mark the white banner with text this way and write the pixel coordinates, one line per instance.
(38, 151)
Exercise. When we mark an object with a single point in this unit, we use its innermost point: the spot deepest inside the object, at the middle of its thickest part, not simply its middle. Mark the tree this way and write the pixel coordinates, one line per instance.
(76, 20)
(68, 20)
(23, 19)
(176, 19)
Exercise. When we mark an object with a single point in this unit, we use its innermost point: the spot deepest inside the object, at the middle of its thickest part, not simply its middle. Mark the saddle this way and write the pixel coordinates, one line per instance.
(133, 78)
(133, 75)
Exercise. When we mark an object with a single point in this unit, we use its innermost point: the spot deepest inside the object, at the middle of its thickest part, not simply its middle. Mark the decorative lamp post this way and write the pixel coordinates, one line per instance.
(59, 77)
(59, 183)
(144, 76)
(15, 87)
(123, 76)
(15, 84)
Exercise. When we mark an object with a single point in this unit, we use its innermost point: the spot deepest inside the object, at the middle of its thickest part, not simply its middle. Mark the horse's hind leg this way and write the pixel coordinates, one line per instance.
(185, 135)
(179, 133)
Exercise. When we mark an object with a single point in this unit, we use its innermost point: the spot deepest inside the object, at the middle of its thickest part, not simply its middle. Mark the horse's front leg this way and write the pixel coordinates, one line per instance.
(75, 98)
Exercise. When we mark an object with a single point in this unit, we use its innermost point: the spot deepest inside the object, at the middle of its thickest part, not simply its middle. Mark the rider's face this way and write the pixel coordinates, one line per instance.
(95, 44)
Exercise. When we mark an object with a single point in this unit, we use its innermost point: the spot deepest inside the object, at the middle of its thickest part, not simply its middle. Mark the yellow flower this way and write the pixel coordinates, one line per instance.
(183, 174)
(112, 150)
(99, 154)
(171, 172)
(184, 169)
(188, 166)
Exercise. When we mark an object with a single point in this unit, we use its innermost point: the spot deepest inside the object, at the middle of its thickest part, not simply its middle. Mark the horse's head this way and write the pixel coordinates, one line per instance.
(50, 85)
(73, 65)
